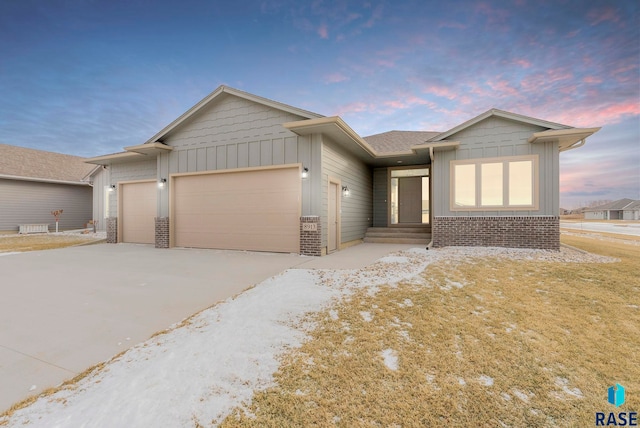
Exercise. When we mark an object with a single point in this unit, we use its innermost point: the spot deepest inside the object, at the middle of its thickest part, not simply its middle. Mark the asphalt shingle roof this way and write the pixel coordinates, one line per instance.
(620, 204)
(398, 141)
(31, 163)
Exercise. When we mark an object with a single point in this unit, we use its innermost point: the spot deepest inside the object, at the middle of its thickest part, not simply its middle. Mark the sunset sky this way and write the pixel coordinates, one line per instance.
(88, 77)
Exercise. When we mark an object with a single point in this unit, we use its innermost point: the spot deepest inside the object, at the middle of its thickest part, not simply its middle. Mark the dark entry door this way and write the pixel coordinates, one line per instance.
(410, 200)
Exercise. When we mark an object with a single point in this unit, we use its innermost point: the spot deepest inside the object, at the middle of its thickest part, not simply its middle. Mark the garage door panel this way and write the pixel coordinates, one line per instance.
(249, 210)
(139, 207)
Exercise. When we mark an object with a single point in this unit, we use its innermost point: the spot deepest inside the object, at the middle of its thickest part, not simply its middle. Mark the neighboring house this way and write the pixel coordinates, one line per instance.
(623, 209)
(238, 171)
(34, 182)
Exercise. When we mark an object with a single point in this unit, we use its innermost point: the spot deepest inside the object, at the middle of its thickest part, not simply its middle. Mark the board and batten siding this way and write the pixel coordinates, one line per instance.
(31, 202)
(357, 209)
(380, 195)
(491, 138)
(237, 133)
(129, 171)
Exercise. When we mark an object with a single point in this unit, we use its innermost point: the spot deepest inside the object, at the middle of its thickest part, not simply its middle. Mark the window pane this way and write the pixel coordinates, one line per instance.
(410, 172)
(425, 199)
(521, 183)
(465, 185)
(491, 182)
(394, 201)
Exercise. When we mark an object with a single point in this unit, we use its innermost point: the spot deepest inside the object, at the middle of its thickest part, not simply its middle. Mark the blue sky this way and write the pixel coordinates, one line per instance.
(88, 77)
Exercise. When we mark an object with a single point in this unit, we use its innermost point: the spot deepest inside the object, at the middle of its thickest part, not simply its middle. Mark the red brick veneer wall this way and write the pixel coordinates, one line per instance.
(112, 230)
(162, 232)
(310, 240)
(541, 232)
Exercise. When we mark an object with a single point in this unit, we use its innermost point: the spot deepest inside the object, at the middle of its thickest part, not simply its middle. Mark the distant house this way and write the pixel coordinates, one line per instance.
(34, 182)
(623, 209)
(238, 171)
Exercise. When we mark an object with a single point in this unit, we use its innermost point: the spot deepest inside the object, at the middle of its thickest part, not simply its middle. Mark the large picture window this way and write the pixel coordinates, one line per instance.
(508, 183)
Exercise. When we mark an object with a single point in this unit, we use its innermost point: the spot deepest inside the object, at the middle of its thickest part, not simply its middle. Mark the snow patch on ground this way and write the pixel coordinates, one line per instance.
(394, 259)
(390, 358)
(366, 316)
(485, 380)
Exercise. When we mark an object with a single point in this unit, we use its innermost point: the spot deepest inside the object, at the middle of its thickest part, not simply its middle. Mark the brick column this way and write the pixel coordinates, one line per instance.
(112, 230)
(310, 236)
(162, 232)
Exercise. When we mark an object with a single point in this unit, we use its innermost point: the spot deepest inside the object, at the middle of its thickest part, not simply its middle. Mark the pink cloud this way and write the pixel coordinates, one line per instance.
(351, 108)
(594, 115)
(605, 14)
(522, 63)
(323, 32)
(592, 79)
(442, 91)
(452, 24)
(335, 78)
(503, 88)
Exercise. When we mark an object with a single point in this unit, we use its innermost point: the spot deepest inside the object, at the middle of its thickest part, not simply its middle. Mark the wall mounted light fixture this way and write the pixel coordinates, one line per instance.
(112, 187)
(345, 191)
(162, 182)
(305, 172)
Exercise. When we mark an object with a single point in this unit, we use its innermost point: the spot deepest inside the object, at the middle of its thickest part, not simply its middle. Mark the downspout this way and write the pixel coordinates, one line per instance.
(575, 145)
(431, 169)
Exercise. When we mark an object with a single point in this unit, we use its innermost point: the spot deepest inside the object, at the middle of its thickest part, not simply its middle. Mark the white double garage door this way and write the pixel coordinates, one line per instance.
(255, 210)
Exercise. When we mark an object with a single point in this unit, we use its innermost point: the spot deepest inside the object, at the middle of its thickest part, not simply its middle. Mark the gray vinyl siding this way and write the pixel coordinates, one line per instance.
(31, 202)
(237, 133)
(498, 137)
(380, 195)
(356, 210)
(129, 171)
(101, 181)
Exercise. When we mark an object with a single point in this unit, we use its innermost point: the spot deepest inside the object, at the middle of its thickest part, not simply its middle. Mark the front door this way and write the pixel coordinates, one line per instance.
(334, 217)
(410, 200)
(409, 196)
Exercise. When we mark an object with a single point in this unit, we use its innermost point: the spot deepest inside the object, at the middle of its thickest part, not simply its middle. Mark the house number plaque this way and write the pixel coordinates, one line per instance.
(309, 227)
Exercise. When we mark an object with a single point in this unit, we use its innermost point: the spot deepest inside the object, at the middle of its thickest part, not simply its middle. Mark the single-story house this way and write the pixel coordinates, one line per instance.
(238, 171)
(33, 183)
(622, 209)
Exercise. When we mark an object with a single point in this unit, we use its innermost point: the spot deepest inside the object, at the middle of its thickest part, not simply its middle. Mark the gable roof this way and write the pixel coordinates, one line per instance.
(503, 114)
(38, 165)
(398, 141)
(620, 204)
(566, 136)
(220, 91)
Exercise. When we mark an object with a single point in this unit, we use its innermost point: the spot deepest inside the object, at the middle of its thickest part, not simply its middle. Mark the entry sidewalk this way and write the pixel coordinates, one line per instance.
(63, 311)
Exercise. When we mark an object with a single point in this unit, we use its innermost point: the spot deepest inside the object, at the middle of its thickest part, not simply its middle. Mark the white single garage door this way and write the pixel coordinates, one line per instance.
(139, 207)
(247, 210)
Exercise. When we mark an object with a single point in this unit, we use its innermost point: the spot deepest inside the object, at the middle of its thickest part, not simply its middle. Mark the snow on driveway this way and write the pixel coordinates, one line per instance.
(202, 369)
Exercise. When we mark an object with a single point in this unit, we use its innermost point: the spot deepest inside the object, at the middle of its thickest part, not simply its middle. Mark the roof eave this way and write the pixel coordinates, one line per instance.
(44, 180)
(115, 158)
(567, 139)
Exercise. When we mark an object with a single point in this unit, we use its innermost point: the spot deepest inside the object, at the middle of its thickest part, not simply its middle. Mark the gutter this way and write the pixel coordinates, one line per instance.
(45, 180)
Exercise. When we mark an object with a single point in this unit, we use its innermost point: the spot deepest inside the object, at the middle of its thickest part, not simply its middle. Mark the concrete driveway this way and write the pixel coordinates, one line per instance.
(63, 311)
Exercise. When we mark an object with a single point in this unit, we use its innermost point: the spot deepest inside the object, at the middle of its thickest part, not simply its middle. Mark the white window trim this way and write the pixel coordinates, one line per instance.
(505, 181)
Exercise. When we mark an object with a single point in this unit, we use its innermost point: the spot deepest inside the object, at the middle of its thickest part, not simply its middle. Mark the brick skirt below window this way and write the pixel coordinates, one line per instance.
(513, 232)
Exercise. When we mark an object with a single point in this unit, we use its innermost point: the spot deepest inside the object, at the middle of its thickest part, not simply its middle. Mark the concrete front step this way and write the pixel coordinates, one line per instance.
(399, 230)
(398, 235)
(396, 240)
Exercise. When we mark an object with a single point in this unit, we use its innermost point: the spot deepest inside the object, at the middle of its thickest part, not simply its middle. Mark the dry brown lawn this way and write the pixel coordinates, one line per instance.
(20, 243)
(488, 342)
